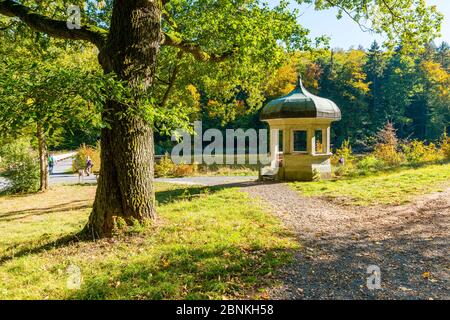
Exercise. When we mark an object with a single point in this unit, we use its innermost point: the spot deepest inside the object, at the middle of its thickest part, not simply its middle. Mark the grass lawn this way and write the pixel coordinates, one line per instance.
(391, 187)
(208, 243)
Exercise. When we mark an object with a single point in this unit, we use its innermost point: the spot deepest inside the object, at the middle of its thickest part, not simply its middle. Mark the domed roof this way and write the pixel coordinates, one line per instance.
(300, 104)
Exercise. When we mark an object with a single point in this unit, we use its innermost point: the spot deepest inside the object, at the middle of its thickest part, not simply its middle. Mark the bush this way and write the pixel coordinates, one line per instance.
(417, 152)
(370, 162)
(345, 151)
(183, 170)
(341, 171)
(79, 161)
(445, 146)
(20, 164)
(165, 167)
(387, 146)
(388, 154)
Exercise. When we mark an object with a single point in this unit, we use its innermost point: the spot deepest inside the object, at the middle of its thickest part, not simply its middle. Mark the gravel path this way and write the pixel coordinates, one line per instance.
(409, 243)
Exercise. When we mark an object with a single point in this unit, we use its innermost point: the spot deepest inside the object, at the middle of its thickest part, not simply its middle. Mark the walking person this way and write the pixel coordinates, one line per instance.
(51, 163)
(89, 165)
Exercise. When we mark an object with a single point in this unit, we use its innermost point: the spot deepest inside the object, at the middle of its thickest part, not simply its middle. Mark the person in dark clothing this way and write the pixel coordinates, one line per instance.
(51, 163)
(89, 165)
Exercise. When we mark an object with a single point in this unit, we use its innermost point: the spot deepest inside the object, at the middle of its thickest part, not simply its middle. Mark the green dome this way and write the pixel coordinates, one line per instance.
(300, 104)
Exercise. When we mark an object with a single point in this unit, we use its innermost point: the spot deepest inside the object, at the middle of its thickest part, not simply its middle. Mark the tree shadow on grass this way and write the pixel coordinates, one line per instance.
(186, 273)
(62, 207)
(163, 197)
(36, 249)
(192, 192)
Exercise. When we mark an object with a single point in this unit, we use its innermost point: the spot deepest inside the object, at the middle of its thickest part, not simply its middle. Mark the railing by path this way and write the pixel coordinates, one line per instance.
(64, 156)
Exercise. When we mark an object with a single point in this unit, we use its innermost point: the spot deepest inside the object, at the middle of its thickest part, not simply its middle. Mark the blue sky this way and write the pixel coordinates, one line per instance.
(345, 33)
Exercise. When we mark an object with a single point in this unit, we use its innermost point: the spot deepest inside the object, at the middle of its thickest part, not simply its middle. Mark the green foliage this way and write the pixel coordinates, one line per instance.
(345, 152)
(369, 87)
(48, 88)
(369, 164)
(389, 154)
(341, 171)
(20, 165)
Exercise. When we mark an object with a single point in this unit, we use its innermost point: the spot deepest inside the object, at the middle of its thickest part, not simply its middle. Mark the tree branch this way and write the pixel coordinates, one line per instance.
(196, 51)
(172, 78)
(363, 27)
(54, 28)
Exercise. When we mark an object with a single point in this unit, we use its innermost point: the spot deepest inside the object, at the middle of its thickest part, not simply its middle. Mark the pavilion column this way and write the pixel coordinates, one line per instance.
(274, 147)
(327, 141)
(310, 140)
(287, 141)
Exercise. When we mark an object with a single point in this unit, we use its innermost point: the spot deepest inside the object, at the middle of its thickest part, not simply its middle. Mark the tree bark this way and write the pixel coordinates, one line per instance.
(43, 155)
(125, 187)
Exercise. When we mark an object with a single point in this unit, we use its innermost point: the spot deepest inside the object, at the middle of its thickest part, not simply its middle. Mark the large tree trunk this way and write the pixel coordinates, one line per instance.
(43, 163)
(125, 187)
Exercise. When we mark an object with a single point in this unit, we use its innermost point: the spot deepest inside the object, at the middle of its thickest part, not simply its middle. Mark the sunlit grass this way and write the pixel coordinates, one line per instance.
(390, 187)
(207, 243)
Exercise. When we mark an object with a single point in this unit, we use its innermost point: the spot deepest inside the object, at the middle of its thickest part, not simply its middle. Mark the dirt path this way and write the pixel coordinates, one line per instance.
(409, 243)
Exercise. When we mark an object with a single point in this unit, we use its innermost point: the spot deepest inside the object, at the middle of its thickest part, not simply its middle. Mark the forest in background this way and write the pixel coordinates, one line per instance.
(409, 89)
(371, 87)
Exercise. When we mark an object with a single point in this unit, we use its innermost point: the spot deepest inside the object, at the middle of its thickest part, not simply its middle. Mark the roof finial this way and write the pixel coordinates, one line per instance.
(299, 80)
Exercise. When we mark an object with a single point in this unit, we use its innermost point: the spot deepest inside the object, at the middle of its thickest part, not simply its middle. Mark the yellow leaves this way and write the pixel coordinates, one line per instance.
(194, 94)
(438, 76)
(283, 81)
(30, 101)
(435, 72)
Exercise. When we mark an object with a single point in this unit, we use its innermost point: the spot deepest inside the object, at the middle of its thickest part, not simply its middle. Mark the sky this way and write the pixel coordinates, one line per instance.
(345, 33)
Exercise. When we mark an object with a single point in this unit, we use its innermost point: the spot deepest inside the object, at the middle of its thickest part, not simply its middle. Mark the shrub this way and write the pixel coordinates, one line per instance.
(345, 151)
(341, 171)
(79, 161)
(388, 154)
(21, 166)
(416, 152)
(445, 145)
(165, 167)
(370, 163)
(184, 170)
(387, 147)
